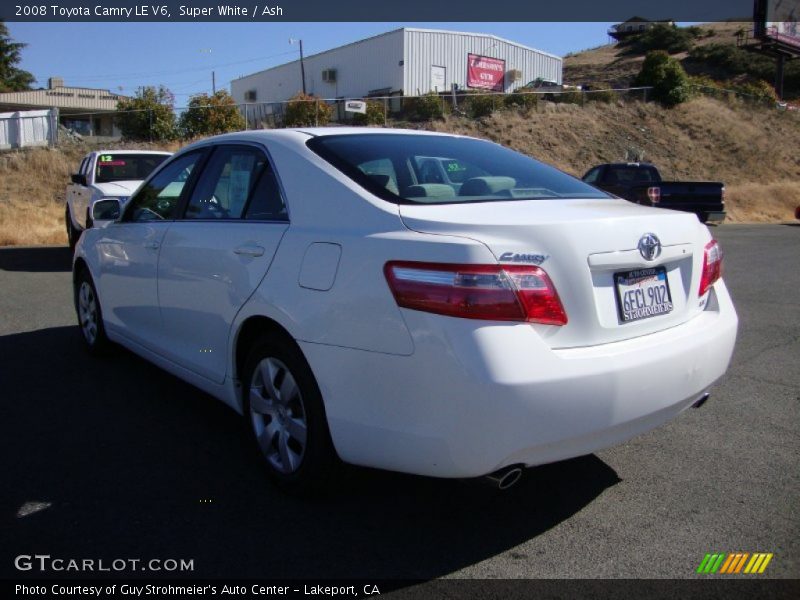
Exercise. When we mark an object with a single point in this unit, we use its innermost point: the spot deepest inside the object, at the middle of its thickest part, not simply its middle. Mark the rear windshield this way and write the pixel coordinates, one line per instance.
(126, 167)
(630, 175)
(431, 169)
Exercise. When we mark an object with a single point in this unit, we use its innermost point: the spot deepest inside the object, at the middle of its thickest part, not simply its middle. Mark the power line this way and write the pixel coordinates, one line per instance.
(129, 76)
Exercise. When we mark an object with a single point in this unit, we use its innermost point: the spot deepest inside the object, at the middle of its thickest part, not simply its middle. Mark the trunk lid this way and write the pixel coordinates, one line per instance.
(582, 244)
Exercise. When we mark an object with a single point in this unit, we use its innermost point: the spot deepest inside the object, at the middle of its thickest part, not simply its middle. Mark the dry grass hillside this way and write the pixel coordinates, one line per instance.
(752, 149)
(612, 65)
(32, 192)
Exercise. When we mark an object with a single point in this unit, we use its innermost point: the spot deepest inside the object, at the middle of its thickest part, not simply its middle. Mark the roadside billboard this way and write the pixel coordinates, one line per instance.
(485, 73)
(776, 20)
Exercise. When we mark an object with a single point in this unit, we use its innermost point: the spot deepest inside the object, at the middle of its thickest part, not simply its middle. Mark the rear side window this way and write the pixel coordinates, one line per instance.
(226, 183)
(266, 202)
(431, 169)
(591, 176)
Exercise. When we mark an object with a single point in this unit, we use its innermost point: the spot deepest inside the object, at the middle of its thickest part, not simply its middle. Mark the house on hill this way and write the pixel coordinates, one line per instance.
(634, 26)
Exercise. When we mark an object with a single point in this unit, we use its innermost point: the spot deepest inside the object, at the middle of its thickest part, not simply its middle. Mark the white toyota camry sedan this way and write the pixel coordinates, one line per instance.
(418, 302)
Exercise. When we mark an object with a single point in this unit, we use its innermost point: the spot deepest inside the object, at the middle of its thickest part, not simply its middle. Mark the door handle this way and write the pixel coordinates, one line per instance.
(249, 251)
(151, 245)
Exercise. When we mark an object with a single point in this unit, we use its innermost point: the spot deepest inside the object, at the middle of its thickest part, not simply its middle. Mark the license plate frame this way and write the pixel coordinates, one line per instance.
(652, 278)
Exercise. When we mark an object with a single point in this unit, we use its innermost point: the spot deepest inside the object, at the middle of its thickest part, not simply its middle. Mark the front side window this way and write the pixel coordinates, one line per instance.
(126, 167)
(159, 197)
(433, 169)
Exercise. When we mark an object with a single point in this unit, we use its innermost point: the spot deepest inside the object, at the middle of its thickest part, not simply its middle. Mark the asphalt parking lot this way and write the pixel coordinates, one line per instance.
(114, 458)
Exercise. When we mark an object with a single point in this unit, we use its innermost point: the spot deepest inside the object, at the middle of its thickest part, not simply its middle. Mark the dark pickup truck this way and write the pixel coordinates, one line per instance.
(641, 183)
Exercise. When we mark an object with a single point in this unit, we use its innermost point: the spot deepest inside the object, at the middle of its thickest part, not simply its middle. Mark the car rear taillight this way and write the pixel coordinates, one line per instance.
(712, 266)
(654, 195)
(491, 292)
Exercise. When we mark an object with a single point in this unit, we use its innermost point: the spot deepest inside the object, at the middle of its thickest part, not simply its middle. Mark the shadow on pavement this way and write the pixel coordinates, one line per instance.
(49, 259)
(135, 463)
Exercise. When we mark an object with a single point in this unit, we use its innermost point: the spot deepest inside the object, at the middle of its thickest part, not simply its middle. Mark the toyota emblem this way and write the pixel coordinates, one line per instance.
(650, 246)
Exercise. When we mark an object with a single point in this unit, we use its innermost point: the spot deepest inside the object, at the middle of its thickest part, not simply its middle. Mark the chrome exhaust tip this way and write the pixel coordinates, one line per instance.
(504, 478)
(702, 400)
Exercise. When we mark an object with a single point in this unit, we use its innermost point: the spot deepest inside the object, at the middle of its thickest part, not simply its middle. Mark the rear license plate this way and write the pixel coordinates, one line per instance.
(642, 293)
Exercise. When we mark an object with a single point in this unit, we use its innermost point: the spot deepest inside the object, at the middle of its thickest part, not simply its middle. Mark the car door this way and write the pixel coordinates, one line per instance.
(78, 194)
(214, 257)
(128, 253)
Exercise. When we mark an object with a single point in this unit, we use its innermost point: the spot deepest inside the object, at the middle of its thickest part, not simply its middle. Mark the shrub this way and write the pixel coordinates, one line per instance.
(606, 96)
(521, 99)
(304, 110)
(758, 90)
(568, 97)
(427, 107)
(483, 104)
(211, 115)
(373, 116)
(669, 38)
(727, 61)
(667, 78)
(149, 114)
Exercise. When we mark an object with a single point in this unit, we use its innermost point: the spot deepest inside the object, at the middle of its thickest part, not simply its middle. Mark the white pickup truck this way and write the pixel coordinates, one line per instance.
(105, 174)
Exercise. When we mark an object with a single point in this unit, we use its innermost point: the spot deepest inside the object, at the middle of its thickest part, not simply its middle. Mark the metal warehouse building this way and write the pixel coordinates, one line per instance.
(405, 61)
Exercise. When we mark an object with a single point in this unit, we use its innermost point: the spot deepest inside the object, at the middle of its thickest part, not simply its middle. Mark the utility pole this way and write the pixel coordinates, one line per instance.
(779, 71)
(302, 64)
(213, 83)
(302, 67)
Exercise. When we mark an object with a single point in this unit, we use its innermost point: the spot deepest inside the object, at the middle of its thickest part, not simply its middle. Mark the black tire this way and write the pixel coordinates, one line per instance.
(88, 311)
(72, 234)
(310, 470)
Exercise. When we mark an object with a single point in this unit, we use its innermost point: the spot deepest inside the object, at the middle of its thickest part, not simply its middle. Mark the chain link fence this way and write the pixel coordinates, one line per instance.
(380, 110)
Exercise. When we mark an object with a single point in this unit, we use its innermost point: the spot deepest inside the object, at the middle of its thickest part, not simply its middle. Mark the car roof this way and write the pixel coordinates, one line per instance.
(260, 135)
(159, 152)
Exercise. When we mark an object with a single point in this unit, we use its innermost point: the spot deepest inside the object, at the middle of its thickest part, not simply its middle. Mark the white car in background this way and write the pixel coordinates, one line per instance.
(311, 281)
(105, 174)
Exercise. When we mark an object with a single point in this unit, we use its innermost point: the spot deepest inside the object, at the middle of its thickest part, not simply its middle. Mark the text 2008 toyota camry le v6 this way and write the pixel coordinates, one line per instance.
(424, 303)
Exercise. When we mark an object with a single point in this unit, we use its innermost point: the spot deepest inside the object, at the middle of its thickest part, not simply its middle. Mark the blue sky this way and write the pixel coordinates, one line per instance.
(123, 56)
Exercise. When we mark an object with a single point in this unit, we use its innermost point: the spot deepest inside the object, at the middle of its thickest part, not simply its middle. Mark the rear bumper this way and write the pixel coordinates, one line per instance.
(715, 217)
(473, 397)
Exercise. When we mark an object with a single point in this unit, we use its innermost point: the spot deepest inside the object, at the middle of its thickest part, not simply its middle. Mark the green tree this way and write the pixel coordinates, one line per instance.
(373, 116)
(12, 79)
(306, 111)
(149, 115)
(210, 115)
(666, 76)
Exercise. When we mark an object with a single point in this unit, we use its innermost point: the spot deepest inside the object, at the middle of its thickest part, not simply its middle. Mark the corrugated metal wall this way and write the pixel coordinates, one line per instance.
(425, 49)
(361, 67)
(375, 64)
(28, 128)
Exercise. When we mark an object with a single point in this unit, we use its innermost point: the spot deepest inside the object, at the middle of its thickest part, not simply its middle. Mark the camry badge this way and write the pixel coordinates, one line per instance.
(650, 246)
(536, 259)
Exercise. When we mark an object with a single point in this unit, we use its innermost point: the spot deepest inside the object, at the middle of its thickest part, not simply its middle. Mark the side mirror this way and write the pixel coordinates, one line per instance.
(78, 178)
(105, 211)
